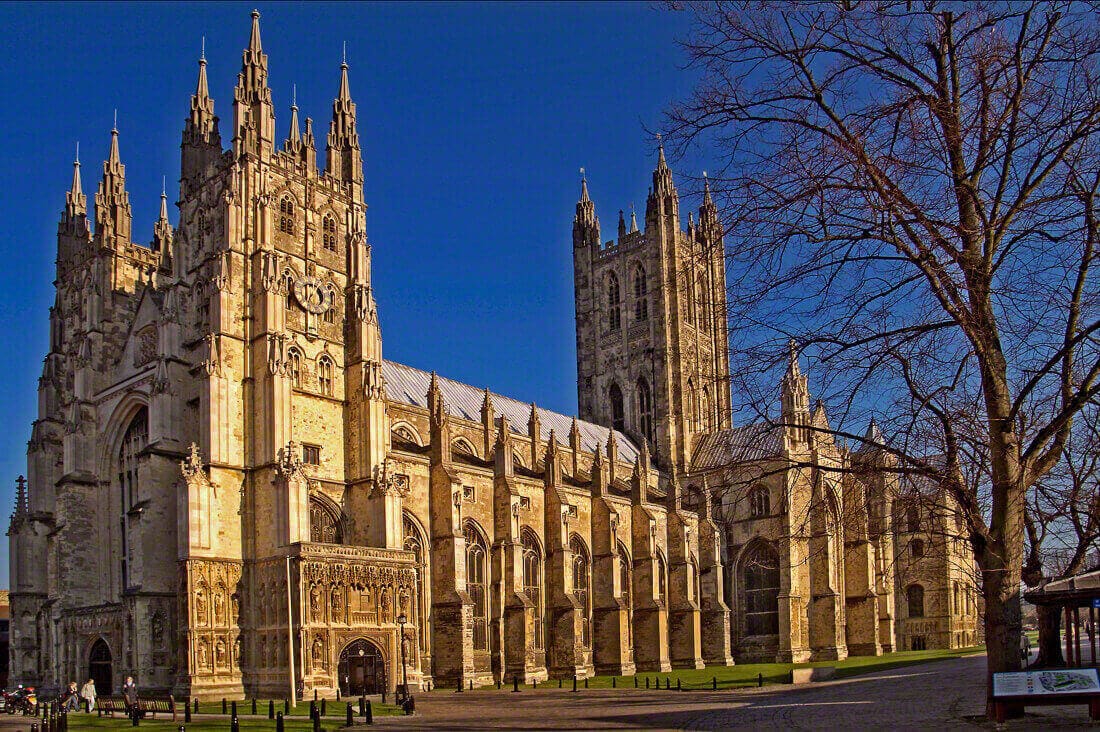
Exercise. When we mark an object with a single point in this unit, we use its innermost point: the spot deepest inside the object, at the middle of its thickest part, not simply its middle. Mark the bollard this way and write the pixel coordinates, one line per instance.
(498, 684)
(337, 693)
(314, 695)
(612, 682)
(760, 679)
(253, 706)
(515, 684)
(647, 682)
(34, 727)
(187, 713)
(574, 683)
(370, 713)
(234, 725)
(135, 716)
(323, 712)
(559, 683)
(316, 724)
(534, 684)
(586, 682)
(678, 685)
(286, 706)
(196, 705)
(233, 709)
(181, 728)
(471, 684)
(271, 709)
(459, 689)
(312, 709)
(279, 722)
(225, 709)
(362, 705)
(348, 721)
(384, 692)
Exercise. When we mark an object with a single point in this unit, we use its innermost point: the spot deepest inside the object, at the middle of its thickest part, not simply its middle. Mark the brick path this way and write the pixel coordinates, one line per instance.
(941, 695)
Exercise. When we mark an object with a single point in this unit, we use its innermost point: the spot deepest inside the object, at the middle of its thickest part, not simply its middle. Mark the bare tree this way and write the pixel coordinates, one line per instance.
(910, 191)
(1063, 523)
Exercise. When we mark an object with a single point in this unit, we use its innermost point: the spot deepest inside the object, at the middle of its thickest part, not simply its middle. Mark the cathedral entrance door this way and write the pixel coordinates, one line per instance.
(362, 669)
(99, 667)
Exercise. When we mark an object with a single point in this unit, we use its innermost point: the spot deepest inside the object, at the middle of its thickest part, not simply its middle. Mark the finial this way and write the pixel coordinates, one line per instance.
(115, 127)
(202, 53)
(633, 219)
(294, 97)
(164, 186)
(344, 58)
(583, 175)
(77, 160)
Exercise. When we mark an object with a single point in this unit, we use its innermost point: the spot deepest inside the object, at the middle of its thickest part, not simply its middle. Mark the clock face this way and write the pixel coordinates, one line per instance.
(311, 295)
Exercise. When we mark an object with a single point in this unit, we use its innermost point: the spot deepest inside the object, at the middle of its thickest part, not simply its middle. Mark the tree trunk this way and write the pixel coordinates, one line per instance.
(1050, 646)
(1003, 623)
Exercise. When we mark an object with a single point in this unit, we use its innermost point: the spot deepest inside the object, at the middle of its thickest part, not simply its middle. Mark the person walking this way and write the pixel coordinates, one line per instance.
(129, 694)
(72, 699)
(87, 693)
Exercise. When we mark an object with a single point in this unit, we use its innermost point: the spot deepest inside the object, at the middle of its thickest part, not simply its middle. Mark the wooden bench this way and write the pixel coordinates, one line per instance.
(1002, 704)
(110, 704)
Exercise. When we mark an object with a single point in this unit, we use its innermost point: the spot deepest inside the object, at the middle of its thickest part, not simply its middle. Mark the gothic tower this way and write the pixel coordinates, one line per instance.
(652, 352)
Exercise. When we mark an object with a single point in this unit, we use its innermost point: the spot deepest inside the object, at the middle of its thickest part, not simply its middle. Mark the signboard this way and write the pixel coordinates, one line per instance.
(1047, 682)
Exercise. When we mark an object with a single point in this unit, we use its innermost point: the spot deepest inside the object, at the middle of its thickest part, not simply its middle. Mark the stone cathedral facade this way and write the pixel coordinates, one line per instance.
(230, 491)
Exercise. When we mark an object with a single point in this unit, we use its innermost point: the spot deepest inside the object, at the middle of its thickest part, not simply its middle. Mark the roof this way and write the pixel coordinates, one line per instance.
(1071, 591)
(737, 445)
(410, 386)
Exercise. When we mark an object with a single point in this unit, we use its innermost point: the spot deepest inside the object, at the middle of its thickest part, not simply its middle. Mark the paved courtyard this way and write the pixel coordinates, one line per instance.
(940, 695)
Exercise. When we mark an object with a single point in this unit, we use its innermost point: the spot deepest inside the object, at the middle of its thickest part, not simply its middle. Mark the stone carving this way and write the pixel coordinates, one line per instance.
(203, 661)
(318, 653)
(156, 629)
(219, 654)
(200, 605)
(219, 606)
(315, 603)
(337, 603)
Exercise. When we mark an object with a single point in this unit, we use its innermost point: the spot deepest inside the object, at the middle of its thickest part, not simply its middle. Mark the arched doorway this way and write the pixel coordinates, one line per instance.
(99, 667)
(362, 669)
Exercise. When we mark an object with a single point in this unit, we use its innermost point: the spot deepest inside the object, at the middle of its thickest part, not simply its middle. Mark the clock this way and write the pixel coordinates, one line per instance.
(311, 295)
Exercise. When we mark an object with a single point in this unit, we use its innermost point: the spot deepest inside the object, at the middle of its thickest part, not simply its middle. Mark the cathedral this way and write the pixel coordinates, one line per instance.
(231, 492)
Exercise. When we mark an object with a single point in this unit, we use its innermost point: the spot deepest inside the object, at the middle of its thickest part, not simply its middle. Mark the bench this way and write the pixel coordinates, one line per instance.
(110, 704)
(1013, 691)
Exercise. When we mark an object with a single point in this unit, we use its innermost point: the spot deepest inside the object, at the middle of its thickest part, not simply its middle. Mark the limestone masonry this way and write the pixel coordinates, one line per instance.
(231, 492)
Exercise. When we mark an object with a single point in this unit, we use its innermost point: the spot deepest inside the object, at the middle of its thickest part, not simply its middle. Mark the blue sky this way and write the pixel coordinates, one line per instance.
(474, 120)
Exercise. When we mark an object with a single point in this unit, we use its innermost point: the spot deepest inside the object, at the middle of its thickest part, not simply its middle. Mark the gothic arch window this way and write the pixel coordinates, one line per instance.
(693, 580)
(613, 303)
(328, 233)
(641, 299)
(582, 586)
(760, 590)
(287, 215)
(914, 598)
(618, 414)
(462, 446)
(626, 588)
(330, 311)
(134, 441)
(916, 548)
(286, 284)
(326, 375)
(704, 304)
(476, 584)
(704, 408)
(404, 433)
(532, 583)
(418, 545)
(912, 519)
(759, 502)
(324, 523)
(692, 416)
(294, 361)
(645, 411)
(662, 577)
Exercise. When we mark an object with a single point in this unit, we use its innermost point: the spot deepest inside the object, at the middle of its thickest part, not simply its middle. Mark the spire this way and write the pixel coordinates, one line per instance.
(162, 231)
(622, 225)
(252, 97)
(663, 192)
(708, 214)
(633, 219)
(345, 160)
(76, 203)
(795, 396)
(163, 199)
(112, 203)
(586, 227)
(793, 369)
(293, 144)
(201, 126)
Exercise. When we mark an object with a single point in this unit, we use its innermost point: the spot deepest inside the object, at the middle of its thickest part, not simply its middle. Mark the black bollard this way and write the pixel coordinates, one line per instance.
(253, 706)
(714, 683)
(760, 679)
(515, 684)
(370, 713)
(135, 717)
(534, 684)
(384, 692)
(337, 693)
(225, 709)
(286, 706)
(678, 685)
(312, 709)
(348, 721)
(459, 689)
(559, 683)
(279, 722)
(181, 728)
(586, 682)
(323, 712)
(362, 705)
(187, 713)
(196, 705)
(271, 709)
(314, 695)
(647, 682)
(574, 683)
(471, 684)
(612, 682)
(233, 709)
(316, 725)
(668, 684)
(498, 684)
(34, 727)
(234, 725)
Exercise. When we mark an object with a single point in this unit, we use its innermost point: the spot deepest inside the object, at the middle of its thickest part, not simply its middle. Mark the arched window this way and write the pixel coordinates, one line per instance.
(692, 416)
(693, 580)
(532, 582)
(760, 590)
(476, 585)
(324, 523)
(914, 596)
(662, 578)
(614, 320)
(618, 415)
(134, 441)
(916, 548)
(294, 361)
(581, 584)
(704, 304)
(286, 215)
(286, 284)
(415, 543)
(645, 411)
(759, 502)
(704, 408)
(912, 519)
(641, 300)
(328, 233)
(626, 586)
(330, 301)
(325, 375)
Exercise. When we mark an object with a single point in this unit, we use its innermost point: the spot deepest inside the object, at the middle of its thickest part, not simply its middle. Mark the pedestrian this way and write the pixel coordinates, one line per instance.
(87, 693)
(129, 693)
(72, 699)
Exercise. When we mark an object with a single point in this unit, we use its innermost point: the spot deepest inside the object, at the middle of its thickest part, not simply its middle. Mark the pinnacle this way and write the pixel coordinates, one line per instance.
(254, 40)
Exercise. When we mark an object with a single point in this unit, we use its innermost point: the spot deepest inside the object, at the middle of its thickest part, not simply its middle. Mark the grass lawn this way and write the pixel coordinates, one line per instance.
(749, 674)
(333, 709)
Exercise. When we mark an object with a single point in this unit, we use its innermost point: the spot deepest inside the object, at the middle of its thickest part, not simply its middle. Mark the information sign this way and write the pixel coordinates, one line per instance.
(1048, 681)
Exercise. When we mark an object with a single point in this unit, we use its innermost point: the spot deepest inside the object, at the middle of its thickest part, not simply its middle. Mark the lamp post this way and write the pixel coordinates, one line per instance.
(401, 620)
